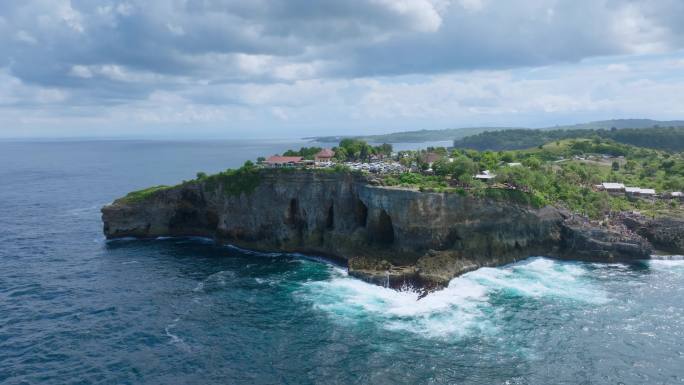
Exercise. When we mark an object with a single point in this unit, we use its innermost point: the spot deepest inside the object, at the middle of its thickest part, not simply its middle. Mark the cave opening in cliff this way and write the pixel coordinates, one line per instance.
(361, 213)
(330, 219)
(292, 212)
(384, 232)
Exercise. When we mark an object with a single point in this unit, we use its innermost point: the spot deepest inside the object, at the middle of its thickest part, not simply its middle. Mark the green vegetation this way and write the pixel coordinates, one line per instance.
(358, 150)
(664, 138)
(235, 182)
(305, 152)
(141, 195)
(562, 172)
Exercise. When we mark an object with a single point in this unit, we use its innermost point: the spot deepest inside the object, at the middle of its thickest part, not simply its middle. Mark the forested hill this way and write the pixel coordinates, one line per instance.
(420, 136)
(663, 138)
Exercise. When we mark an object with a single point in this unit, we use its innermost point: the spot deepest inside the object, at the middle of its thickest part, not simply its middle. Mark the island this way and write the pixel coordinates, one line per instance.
(421, 218)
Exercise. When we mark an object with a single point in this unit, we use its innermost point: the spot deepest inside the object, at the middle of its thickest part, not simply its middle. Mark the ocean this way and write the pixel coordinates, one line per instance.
(77, 309)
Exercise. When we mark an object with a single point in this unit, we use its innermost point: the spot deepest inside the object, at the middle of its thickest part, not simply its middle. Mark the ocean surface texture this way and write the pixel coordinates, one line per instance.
(75, 309)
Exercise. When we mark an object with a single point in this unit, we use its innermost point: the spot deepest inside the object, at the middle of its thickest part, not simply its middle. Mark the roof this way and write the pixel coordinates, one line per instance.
(676, 194)
(326, 153)
(639, 190)
(432, 157)
(514, 164)
(283, 159)
(613, 186)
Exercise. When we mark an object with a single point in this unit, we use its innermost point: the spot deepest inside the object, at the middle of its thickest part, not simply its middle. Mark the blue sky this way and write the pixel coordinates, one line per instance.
(287, 68)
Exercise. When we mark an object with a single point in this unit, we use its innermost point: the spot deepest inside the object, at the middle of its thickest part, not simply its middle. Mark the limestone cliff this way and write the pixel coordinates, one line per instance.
(383, 233)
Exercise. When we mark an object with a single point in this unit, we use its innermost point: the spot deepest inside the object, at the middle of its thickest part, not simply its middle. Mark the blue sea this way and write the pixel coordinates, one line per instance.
(76, 309)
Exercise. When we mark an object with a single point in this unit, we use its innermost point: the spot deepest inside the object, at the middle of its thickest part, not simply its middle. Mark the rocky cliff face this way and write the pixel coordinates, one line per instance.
(384, 234)
(665, 233)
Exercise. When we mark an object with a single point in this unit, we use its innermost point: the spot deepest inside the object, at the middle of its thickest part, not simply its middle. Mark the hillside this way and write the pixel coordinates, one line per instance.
(663, 138)
(420, 136)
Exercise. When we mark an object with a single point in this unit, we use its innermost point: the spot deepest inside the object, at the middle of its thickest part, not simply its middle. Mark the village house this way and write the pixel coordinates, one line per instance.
(677, 195)
(276, 161)
(325, 155)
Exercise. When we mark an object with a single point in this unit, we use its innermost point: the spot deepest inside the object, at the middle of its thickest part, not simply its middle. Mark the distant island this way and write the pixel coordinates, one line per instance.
(426, 216)
(451, 134)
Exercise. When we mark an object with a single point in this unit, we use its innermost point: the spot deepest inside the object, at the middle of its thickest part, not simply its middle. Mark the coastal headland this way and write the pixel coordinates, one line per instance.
(387, 235)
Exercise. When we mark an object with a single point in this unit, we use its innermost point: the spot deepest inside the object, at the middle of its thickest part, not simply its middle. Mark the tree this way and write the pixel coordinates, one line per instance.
(616, 165)
(463, 169)
(532, 162)
(201, 175)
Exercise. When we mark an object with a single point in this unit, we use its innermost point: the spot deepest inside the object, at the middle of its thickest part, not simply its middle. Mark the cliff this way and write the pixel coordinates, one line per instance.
(383, 233)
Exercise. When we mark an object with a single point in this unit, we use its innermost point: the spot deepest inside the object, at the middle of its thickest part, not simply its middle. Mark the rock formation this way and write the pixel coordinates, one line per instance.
(385, 234)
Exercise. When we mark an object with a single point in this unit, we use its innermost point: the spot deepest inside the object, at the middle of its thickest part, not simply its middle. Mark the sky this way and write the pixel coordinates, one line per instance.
(293, 68)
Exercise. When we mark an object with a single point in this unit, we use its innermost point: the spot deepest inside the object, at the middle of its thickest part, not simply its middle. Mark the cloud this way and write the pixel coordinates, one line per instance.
(297, 60)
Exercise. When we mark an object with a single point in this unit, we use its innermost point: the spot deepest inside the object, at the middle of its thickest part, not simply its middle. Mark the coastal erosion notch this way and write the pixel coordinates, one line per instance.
(386, 234)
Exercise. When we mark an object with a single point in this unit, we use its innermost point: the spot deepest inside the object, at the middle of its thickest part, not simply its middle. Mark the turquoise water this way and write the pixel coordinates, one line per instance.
(75, 309)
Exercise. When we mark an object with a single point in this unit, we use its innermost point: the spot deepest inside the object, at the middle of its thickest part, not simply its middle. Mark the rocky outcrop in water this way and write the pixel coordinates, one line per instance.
(386, 235)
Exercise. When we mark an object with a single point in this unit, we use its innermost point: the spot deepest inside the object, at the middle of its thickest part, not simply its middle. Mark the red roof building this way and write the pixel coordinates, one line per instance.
(283, 161)
(325, 155)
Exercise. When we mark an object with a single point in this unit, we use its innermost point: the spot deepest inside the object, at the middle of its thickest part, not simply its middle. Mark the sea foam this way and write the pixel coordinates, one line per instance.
(462, 308)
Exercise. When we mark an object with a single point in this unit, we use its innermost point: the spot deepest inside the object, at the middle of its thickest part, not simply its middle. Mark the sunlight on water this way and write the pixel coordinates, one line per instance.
(461, 309)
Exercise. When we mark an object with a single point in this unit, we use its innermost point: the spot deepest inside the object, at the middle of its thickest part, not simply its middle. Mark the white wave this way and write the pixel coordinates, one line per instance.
(461, 308)
(540, 277)
(666, 262)
(667, 257)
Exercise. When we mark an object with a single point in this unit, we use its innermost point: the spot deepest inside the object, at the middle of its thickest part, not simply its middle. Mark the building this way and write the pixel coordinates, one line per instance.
(485, 176)
(632, 191)
(677, 195)
(284, 161)
(325, 155)
(640, 192)
(613, 187)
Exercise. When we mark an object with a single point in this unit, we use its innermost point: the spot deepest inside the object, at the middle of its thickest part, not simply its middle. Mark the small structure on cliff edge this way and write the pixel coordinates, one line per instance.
(284, 161)
(325, 155)
(485, 176)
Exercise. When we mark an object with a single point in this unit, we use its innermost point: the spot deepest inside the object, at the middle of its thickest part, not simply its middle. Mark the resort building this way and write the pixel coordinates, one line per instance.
(325, 155)
(283, 161)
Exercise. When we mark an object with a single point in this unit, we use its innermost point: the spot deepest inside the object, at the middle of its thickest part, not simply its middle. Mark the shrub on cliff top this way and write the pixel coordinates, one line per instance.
(141, 195)
(235, 182)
